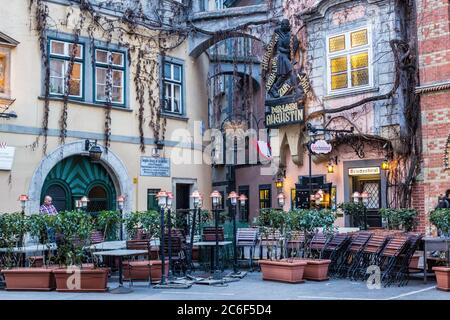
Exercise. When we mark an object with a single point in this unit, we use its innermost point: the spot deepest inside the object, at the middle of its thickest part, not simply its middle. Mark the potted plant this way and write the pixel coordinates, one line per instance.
(108, 223)
(356, 211)
(286, 270)
(309, 221)
(75, 228)
(13, 228)
(149, 223)
(400, 219)
(441, 219)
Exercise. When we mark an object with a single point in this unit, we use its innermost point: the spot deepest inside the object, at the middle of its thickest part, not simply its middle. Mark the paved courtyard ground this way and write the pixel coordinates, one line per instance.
(252, 287)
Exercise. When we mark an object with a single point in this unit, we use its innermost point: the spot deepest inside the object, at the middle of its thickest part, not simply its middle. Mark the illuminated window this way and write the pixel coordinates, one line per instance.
(60, 56)
(349, 60)
(265, 196)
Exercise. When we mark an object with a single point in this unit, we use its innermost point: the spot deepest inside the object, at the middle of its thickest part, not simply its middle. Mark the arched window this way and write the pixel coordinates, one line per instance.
(98, 199)
(59, 197)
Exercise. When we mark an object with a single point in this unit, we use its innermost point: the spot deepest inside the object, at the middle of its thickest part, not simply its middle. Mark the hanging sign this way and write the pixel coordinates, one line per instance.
(155, 167)
(321, 147)
(6, 156)
(284, 114)
(363, 171)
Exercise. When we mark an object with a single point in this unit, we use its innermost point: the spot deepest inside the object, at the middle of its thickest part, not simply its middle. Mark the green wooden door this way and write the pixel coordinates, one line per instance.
(75, 177)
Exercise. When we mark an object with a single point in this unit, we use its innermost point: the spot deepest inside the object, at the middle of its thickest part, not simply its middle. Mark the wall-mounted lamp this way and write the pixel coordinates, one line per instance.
(279, 183)
(385, 165)
(95, 152)
(330, 167)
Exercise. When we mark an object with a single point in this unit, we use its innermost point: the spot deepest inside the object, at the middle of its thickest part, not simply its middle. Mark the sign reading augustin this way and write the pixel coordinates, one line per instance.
(155, 167)
(279, 115)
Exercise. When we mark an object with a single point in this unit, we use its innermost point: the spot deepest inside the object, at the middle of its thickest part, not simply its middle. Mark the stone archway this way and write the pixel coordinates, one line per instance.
(109, 161)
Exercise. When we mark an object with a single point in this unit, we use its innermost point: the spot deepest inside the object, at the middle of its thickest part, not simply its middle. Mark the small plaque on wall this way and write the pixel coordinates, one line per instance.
(6, 157)
(155, 167)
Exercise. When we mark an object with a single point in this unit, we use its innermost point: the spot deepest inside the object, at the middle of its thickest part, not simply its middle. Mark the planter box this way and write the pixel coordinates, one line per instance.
(442, 278)
(282, 270)
(29, 279)
(316, 269)
(91, 280)
(140, 270)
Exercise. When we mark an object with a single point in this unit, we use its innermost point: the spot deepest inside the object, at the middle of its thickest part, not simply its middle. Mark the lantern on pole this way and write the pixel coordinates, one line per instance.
(281, 199)
(216, 198)
(233, 198)
(162, 199)
(23, 198)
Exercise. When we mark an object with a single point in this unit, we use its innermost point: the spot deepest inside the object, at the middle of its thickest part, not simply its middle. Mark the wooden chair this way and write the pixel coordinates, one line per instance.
(97, 237)
(335, 249)
(370, 255)
(390, 258)
(209, 234)
(139, 269)
(318, 244)
(178, 251)
(269, 239)
(296, 244)
(351, 255)
(247, 238)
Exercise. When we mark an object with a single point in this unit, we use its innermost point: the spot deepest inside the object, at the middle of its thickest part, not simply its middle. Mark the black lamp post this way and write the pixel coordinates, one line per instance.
(216, 198)
(23, 198)
(233, 200)
(169, 229)
(162, 202)
(197, 199)
(120, 202)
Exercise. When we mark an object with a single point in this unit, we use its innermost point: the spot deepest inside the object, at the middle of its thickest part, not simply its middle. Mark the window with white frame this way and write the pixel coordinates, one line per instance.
(109, 76)
(173, 88)
(59, 61)
(349, 65)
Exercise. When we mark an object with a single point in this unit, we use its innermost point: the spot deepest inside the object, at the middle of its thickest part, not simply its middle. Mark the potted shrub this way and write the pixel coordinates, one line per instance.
(308, 221)
(72, 276)
(149, 223)
(356, 211)
(441, 219)
(286, 270)
(14, 226)
(400, 219)
(108, 223)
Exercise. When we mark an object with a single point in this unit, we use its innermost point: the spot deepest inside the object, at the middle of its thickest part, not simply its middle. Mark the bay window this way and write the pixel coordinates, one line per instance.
(349, 61)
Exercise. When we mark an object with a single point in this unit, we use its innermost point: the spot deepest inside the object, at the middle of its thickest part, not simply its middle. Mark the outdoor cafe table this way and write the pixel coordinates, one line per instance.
(30, 249)
(212, 245)
(434, 244)
(120, 254)
(116, 245)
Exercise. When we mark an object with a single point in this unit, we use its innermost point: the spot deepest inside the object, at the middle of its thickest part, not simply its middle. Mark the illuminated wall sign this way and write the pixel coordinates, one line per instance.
(321, 147)
(363, 171)
(284, 114)
(6, 157)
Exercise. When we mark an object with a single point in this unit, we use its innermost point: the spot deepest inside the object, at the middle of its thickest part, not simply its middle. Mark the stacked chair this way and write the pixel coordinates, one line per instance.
(334, 250)
(352, 254)
(247, 238)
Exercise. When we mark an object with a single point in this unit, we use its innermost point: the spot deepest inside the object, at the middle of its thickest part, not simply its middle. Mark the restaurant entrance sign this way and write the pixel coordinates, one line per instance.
(286, 86)
(155, 167)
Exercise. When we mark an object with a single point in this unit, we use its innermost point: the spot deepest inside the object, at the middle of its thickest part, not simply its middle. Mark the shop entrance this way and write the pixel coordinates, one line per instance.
(371, 185)
(183, 196)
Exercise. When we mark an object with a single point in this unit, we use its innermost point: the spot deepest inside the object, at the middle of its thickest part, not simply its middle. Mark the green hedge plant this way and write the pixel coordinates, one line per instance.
(441, 219)
(400, 219)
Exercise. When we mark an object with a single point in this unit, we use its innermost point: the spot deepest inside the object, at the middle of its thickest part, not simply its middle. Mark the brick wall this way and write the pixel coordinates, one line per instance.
(434, 63)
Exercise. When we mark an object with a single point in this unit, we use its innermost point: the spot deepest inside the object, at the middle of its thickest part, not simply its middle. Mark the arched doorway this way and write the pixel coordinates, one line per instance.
(75, 177)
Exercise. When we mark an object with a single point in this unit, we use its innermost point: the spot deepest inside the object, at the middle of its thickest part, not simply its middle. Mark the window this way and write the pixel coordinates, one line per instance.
(349, 60)
(173, 88)
(265, 196)
(152, 201)
(4, 74)
(244, 211)
(109, 76)
(60, 56)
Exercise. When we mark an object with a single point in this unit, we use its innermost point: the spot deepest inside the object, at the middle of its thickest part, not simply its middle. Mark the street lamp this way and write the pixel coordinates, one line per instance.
(84, 202)
(281, 199)
(23, 198)
(356, 195)
(169, 229)
(216, 200)
(162, 202)
(120, 202)
(197, 199)
(243, 201)
(279, 183)
(233, 199)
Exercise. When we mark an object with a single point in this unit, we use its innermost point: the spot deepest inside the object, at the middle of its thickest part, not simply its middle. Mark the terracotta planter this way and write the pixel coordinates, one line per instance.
(29, 279)
(316, 269)
(91, 280)
(414, 263)
(140, 270)
(195, 253)
(282, 270)
(442, 278)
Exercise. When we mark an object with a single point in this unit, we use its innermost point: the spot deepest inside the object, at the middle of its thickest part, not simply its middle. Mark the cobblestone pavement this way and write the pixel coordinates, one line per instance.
(252, 287)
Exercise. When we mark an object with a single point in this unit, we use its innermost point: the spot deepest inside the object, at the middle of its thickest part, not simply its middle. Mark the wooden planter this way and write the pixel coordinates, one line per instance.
(282, 270)
(442, 278)
(140, 270)
(29, 279)
(91, 280)
(316, 269)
